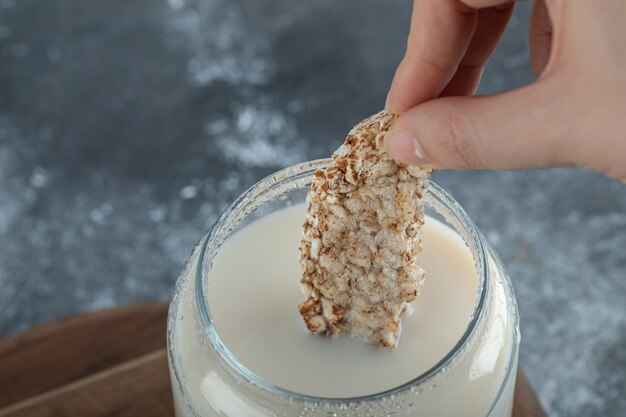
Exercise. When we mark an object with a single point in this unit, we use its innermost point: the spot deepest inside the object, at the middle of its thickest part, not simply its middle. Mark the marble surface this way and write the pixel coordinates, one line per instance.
(126, 126)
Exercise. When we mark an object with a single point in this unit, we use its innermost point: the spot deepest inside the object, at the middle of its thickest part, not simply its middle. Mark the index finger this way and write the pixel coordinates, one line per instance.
(441, 31)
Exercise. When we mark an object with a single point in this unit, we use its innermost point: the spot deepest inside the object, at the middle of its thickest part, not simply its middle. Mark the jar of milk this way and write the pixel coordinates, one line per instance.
(238, 347)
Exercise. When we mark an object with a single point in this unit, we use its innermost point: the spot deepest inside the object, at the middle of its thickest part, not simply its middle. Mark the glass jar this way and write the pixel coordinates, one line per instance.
(475, 379)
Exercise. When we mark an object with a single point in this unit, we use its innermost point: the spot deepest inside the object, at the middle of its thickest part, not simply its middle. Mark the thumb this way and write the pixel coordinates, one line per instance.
(522, 128)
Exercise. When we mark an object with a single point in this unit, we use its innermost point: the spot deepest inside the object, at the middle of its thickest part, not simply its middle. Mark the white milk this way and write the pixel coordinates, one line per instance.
(254, 294)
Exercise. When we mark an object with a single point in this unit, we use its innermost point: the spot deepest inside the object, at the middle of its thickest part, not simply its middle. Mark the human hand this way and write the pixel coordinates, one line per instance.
(573, 114)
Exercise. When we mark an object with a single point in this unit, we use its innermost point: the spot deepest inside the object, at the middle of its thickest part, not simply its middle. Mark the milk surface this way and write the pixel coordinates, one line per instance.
(254, 295)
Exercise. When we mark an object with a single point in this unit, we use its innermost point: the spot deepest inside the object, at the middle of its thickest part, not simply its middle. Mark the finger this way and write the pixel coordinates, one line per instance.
(440, 33)
(491, 24)
(540, 37)
(517, 129)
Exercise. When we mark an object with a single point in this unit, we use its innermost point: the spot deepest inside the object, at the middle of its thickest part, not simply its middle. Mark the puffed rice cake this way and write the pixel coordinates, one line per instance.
(360, 239)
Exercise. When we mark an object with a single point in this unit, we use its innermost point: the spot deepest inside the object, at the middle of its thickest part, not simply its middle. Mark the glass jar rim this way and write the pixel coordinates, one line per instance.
(288, 179)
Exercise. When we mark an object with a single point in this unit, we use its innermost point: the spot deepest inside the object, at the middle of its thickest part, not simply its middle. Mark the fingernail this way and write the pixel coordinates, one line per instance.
(404, 147)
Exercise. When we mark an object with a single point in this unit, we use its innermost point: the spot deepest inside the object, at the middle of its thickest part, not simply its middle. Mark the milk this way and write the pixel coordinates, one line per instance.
(253, 298)
(252, 294)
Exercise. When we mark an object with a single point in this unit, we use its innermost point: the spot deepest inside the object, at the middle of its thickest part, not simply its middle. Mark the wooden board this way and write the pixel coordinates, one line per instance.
(110, 363)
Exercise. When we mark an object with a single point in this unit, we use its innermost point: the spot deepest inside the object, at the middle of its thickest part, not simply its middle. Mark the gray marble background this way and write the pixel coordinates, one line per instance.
(126, 126)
